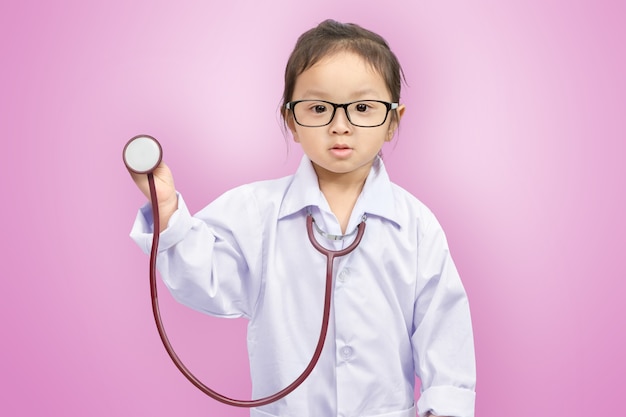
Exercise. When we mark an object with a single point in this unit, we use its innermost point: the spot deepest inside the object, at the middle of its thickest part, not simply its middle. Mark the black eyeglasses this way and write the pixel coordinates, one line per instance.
(362, 113)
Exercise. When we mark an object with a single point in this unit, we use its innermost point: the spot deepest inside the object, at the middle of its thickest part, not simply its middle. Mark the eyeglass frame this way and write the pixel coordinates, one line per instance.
(390, 106)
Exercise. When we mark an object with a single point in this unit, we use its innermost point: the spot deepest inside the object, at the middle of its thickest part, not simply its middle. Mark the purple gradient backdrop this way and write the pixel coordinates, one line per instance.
(515, 136)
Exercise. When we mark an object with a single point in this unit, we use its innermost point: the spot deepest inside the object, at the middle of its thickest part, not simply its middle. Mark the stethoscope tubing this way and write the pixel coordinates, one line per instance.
(330, 256)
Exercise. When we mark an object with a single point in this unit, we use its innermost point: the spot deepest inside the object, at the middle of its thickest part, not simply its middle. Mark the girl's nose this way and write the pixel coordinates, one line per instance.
(340, 125)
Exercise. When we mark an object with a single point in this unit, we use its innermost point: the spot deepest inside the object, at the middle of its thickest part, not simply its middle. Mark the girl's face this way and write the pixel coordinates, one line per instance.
(340, 148)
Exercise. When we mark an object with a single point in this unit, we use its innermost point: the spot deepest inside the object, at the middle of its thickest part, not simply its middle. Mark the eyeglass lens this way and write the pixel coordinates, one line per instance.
(316, 113)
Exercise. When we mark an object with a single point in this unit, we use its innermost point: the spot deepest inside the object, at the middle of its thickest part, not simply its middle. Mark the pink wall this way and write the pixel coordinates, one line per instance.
(515, 135)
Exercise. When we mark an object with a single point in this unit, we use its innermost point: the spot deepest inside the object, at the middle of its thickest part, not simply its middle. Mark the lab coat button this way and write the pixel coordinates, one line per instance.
(346, 352)
(343, 275)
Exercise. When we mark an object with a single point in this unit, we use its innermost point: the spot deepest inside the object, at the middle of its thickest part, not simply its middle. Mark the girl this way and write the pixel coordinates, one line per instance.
(398, 308)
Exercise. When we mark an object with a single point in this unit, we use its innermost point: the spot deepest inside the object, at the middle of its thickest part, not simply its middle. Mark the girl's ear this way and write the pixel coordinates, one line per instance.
(395, 123)
(291, 124)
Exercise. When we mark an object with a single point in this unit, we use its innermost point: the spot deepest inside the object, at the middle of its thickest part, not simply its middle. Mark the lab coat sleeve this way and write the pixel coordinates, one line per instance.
(443, 345)
(211, 261)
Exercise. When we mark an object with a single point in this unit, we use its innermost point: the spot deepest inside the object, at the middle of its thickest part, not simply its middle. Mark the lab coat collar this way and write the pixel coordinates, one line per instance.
(377, 197)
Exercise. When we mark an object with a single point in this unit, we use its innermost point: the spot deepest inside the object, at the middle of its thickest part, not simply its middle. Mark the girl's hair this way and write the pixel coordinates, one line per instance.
(330, 37)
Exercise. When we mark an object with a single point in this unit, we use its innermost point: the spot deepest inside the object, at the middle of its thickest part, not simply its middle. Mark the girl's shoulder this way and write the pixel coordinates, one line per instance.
(415, 213)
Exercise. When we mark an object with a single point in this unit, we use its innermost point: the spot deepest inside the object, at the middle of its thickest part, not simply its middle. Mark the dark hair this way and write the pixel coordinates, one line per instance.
(330, 37)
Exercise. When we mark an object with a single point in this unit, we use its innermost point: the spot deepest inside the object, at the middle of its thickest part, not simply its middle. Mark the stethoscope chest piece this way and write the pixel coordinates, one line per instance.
(142, 154)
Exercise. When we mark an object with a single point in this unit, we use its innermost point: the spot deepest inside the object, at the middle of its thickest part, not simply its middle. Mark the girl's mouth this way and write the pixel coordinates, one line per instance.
(341, 151)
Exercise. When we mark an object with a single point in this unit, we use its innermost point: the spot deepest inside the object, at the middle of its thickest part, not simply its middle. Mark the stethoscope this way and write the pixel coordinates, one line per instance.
(142, 154)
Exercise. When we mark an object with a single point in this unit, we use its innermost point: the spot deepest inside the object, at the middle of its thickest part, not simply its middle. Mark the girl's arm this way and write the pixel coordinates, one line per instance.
(443, 344)
(210, 262)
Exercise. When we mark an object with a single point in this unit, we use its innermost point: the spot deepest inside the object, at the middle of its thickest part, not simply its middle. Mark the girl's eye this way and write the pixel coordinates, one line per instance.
(319, 108)
(361, 107)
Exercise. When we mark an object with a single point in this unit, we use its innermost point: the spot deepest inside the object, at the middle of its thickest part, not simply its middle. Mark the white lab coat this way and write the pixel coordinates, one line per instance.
(399, 307)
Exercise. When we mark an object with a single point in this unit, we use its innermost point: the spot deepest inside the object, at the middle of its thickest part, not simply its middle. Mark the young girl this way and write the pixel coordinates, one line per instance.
(398, 308)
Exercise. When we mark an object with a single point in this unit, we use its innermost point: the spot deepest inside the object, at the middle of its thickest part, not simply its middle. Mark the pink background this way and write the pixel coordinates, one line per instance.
(515, 136)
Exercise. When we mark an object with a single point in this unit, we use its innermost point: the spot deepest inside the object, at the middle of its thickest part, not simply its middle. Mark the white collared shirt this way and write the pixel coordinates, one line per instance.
(399, 308)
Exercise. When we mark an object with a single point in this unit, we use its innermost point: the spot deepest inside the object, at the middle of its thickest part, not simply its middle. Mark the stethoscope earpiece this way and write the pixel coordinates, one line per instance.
(142, 154)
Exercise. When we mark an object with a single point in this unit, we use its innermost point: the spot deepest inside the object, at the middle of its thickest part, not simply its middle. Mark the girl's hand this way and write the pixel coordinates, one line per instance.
(165, 191)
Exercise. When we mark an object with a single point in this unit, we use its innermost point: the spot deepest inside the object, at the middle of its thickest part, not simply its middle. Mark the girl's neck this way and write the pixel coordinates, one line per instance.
(342, 191)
